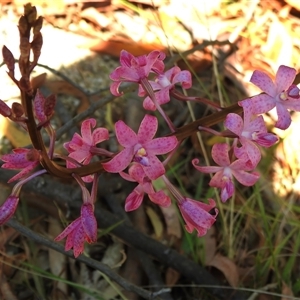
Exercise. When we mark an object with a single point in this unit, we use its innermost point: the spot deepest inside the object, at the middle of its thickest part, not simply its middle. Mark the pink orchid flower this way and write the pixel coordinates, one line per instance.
(163, 84)
(281, 94)
(251, 132)
(134, 69)
(196, 215)
(137, 174)
(82, 229)
(21, 158)
(141, 148)
(8, 208)
(226, 170)
(83, 148)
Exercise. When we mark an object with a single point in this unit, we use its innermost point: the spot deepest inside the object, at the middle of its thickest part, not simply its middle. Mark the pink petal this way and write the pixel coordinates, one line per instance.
(257, 125)
(264, 82)
(78, 241)
(74, 144)
(160, 198)
(262, 103)
(162, 145)
(81, 155)
(266, 139)
(114, 88)
(284, 78)
(147, 129)
(170, 74)
(292, 104)
(183, 77)
(205, 169)
(89, 222)
(137, 172)
(119, 162)
(70, 241)
(8, 208)
(247, 111)
(155, 168)
(125, 74)
(99, 135)
(148, 104)
(227, 191)
(134, 200)
(218, 180)
(71, 227)
(86, 130)
(125, 135)
(284, 117)
(234, 123)
(126, 58)
(252, 152)
(245, 178)
(126, 176)
(219, 154)
(24, 172)
(163, 96)
(154, 62)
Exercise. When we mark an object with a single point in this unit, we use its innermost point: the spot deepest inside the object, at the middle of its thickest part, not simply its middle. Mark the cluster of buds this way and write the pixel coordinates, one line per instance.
(140, 158)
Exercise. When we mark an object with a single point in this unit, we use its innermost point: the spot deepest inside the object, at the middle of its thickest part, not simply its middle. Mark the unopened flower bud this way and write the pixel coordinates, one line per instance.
(8, 208)
(8, 59)
(49, 105)
(38, 25)
(5, 110)
(17, 109)
(33, 155)
(23, 26)
(30, 13)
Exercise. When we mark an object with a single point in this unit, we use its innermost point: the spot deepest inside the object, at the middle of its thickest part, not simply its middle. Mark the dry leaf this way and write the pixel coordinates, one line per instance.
(210, 245)
(279, 45)
(95, 16)
(156, 222)
(6, 290)
(227, 267)
(172, 221)
(38, 81)
(47, 7)
(286, 291)
(63, 87)
(7, 234)
(114, 47)
(16, 135)
(294, 3)
(172, 277)
(57, 261)
(114, 255)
